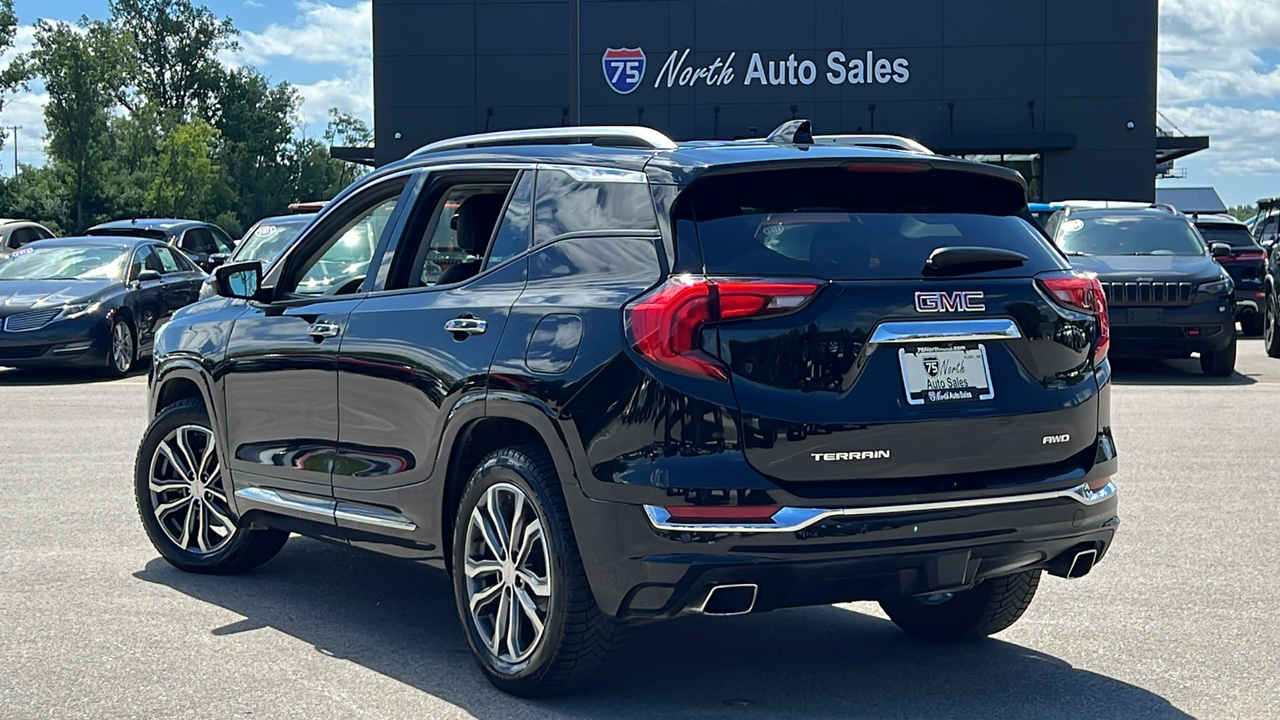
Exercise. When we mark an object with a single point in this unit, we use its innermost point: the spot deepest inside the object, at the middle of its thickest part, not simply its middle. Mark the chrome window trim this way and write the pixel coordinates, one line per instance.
(651, 138)
(911, 331)
(792, 519)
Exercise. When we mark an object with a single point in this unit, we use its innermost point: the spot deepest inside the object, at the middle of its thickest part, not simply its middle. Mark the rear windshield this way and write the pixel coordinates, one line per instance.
(1237, 236)
(835, 224)
(1128, 235)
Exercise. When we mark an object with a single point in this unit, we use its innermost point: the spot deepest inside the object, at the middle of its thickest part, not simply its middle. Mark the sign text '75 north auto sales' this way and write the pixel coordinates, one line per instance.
(624, 70)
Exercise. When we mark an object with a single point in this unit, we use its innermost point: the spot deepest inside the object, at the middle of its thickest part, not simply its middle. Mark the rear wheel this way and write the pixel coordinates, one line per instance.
(1251, 324)
(1270, 332)
(987, 609)
(182, 500)
(522, 593)
(1219, 363)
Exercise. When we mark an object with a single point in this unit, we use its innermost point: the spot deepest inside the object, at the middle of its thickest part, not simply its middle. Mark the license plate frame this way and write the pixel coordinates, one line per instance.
(950, 366)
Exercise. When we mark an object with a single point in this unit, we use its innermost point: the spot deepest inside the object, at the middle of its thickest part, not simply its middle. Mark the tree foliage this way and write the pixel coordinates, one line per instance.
(144, 118)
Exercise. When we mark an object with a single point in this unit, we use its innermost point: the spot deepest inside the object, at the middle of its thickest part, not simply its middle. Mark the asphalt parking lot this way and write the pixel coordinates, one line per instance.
(1180, 621)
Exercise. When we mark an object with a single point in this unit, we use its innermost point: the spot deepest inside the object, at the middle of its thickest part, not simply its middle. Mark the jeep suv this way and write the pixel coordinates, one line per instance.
(604, 378)
(1167, 295)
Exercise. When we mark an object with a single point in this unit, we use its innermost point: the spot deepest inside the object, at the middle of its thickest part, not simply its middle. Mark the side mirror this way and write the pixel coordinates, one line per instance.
(1219, 249)
(240, 280)
(217, 259)
(148, 276)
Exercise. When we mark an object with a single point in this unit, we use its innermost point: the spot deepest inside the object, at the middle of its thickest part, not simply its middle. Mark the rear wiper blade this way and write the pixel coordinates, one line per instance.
(961, 260)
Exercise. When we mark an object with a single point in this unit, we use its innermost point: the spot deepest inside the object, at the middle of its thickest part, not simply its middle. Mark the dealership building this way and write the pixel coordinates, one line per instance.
(1062, 90)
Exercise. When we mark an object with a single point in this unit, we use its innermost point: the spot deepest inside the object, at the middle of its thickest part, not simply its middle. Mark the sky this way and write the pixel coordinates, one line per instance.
(1219, 76)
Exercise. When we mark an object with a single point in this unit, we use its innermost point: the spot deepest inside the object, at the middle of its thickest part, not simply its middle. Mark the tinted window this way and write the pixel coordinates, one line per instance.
(1237, 236)
(221, 240)
(841, 225)
(198, 240)
(145, 258)
(443, 251)
(170, 260)
(1128, 234)
(591, 200)
(21, 237)
(512, 237)
(128, 232)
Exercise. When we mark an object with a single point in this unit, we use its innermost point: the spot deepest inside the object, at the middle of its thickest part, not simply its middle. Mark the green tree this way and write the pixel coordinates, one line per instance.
(187, 181)
(345, 130)
(39, 193)
(13, 75)
(81, 68)
(254, 120)
(1243, 212)
(175, 47)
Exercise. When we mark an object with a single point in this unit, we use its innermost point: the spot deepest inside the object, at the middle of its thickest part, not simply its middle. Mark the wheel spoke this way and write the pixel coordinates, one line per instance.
(160, 486)
(184, 447)
(532, 535)
(530, 611)
(479, 521)
(540, 586)
(223, 520)
(166, 508)
(517, 520)
(217, 494)
(495, 520)
(477, 568)
(177, 466)
(185, 541)
(202, 527)
(205, 472)
(479, 599)
(513, 624)
(500, 620)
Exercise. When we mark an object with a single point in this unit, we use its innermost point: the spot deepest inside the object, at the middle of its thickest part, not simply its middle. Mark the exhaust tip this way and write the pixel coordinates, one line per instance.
(1082, 563)
(725, 600)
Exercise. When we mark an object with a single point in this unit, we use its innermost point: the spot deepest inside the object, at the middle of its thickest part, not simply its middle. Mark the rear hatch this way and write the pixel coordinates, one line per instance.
(918, 327)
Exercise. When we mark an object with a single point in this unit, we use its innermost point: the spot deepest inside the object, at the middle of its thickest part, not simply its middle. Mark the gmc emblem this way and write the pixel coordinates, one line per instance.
(963, 301)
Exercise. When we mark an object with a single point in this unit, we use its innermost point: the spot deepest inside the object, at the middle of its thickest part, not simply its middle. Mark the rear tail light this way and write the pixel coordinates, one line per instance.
(1249, 255)
(665, 325)
(1084, 293)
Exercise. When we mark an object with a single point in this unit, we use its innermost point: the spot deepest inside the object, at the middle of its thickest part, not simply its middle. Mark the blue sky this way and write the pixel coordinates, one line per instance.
(1219, 75)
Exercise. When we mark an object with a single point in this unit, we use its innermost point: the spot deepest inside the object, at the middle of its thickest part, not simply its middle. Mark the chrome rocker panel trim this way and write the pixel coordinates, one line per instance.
(298, 503)
(912, 331)
(791, 519)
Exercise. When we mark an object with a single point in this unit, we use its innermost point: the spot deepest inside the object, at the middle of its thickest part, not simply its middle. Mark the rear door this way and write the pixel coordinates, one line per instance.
(888, 367)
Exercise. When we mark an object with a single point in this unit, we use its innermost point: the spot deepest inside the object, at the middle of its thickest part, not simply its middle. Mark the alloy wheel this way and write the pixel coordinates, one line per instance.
(187, 497)
(508, 573)
(121, 347)
(1269, 324)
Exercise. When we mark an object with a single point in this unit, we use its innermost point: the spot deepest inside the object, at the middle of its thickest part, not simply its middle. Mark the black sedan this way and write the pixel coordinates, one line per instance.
(90, 302)
(205, 243)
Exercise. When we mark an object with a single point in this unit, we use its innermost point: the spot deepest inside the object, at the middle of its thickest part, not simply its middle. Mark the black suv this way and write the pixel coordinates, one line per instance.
(657, 379)
(1246, 263)
(1168, 297)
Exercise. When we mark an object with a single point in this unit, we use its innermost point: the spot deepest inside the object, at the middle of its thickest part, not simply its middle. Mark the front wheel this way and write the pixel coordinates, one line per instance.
(1270, 331)
(984, 610)
(522, 593)
(122, 350)
(182, 500)
(1219, 363)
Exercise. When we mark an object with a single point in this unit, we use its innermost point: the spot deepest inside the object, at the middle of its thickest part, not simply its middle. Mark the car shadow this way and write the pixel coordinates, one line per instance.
(63, 376)
(398, 619)
(1134, 371)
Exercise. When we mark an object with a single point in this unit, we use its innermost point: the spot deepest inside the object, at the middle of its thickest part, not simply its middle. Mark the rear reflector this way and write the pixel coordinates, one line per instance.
(1099, 483)
(722, 513)
(1083, 292)
(666, 324)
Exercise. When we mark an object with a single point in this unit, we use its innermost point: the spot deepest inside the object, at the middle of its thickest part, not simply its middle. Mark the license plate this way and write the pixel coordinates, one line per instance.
(1146, 316)
(947, 373)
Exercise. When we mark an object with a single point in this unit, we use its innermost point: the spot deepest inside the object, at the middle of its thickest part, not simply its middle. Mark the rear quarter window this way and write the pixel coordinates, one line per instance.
(833, 224)
(590, 199)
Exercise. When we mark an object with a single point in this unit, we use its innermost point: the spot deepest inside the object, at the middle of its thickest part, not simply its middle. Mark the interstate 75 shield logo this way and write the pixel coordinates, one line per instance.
(623, 68)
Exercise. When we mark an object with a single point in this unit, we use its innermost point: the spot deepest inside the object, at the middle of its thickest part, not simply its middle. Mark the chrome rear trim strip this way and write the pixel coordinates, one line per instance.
(285, 500)
(791, 519)
(911, 331)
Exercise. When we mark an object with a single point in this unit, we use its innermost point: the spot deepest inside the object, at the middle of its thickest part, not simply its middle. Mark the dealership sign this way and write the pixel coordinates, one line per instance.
(624, 70)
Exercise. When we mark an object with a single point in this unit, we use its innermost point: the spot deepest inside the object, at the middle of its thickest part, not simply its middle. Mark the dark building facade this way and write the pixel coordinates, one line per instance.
(1063, 90)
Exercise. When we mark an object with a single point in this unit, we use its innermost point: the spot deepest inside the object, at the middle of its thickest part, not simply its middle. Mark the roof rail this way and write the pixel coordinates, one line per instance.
(622, 135)
(889, 142)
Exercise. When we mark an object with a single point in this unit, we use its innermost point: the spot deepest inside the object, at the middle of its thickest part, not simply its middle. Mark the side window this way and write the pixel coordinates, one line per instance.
(21, 237)
(459, 236)
(512, 236)
(1051, 225)
(42, 234)
(199, 240)
(337, 256)
(143, 259)
(222, 241)
(169, 259)
(582, 199)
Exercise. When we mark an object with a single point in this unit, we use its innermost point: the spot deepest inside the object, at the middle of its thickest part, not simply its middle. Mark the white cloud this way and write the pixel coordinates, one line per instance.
(24, 108)
(352, 94)
(322, 33)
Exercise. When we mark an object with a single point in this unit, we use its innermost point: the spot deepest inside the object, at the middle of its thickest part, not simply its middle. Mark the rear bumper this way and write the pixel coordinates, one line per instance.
(644, 567)
(1249, 301)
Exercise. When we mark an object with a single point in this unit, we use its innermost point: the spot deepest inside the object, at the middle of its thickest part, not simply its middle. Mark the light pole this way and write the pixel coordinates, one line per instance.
(15, 129)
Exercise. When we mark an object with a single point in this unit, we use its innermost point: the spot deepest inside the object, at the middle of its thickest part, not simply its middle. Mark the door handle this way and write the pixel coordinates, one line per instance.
(466, 326)
(322, 329)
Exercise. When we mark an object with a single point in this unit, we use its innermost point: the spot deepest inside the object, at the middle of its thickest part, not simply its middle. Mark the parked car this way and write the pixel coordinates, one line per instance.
(1247, 265)
(16, 233)
(664, 379)
(1168, 297)
(206, 244)
(264, 242)
(1265, 225)
(90, 302)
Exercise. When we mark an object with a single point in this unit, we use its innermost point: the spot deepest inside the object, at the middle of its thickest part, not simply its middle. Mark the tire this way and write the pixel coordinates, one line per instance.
(987, 609)
(1251, 324)
(208, 541)
(1219, 363)
(120, 360)
(576, 637)
(1271, 328)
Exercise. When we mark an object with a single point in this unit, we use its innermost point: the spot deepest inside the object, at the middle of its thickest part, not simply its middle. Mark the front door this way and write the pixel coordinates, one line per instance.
(280, 375)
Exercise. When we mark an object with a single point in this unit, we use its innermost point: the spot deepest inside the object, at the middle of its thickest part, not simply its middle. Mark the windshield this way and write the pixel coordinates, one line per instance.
(1129, 235)
(267, 241)
(1237, 236)
(65, 263)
